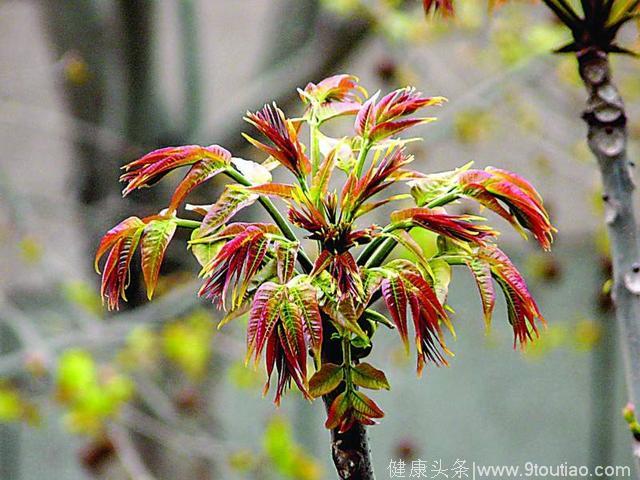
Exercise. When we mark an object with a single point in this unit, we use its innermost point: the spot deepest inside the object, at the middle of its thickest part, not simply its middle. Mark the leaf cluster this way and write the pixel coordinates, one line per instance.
(298, 286)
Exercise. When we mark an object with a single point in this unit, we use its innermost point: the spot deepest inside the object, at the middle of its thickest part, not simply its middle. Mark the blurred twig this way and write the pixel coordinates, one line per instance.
(128, 453)
(191, 63)
(199, 444)
(174, 304)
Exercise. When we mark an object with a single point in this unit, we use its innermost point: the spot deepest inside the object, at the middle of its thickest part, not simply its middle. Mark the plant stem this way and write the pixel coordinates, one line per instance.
(452, 259)
(346, 356)
(378, 250)
(382, 253)
(607, 137)
(314, 131)
(444, 199)
(304, 260)
(362, 156)
(350, 450)
(183, 222)
(370, 250)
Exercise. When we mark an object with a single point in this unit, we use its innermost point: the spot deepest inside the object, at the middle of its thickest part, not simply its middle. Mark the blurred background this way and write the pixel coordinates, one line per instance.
(155, 391)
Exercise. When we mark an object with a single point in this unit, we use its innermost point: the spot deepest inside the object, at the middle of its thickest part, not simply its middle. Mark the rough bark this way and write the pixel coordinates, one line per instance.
(607, 137)
(350, 450)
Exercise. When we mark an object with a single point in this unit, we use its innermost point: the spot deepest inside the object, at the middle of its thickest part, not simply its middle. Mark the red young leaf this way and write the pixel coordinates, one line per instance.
(444, 6)
(379, 176)
(291, 331)
(525, 210)
(281, 190)
(522, 308)
(458, 227)
(320, 181)
(287, 149)
(366, 116)
(307, 217)
(344, 269)
(403, 284)
(285, 319)
(304, 296)
(379, 121)
(402, 102)
(482, 274)
(206, 161)
(392, 128)
(237, 262)
(123, 240)
(286, 256)
(199, 173)
(123, 229)
(337, 411)
(350, 407)
(263, 318)
(395, 296)
(333, 96)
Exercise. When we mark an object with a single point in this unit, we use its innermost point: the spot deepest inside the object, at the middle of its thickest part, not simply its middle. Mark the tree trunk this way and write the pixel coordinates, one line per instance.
(606, 119)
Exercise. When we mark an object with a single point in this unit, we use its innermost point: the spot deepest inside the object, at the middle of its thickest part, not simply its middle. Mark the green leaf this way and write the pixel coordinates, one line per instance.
(343, 314)
(481, 271)
(233, 199)
(414, 248)
(90, 398)
(371, 278)
(156, 237)
(320, 181)
(366, 376)
(435, 185)
(252, 171)
(441, 275)
(325, 380)
(291, 321)
(204, 250)
(364, 405)
(377, 317)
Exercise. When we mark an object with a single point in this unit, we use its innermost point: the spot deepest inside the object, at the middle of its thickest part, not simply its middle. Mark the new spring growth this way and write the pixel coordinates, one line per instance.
(629, 414)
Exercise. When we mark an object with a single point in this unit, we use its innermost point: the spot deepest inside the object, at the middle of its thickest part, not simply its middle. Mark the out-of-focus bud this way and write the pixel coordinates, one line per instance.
(75, 68)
